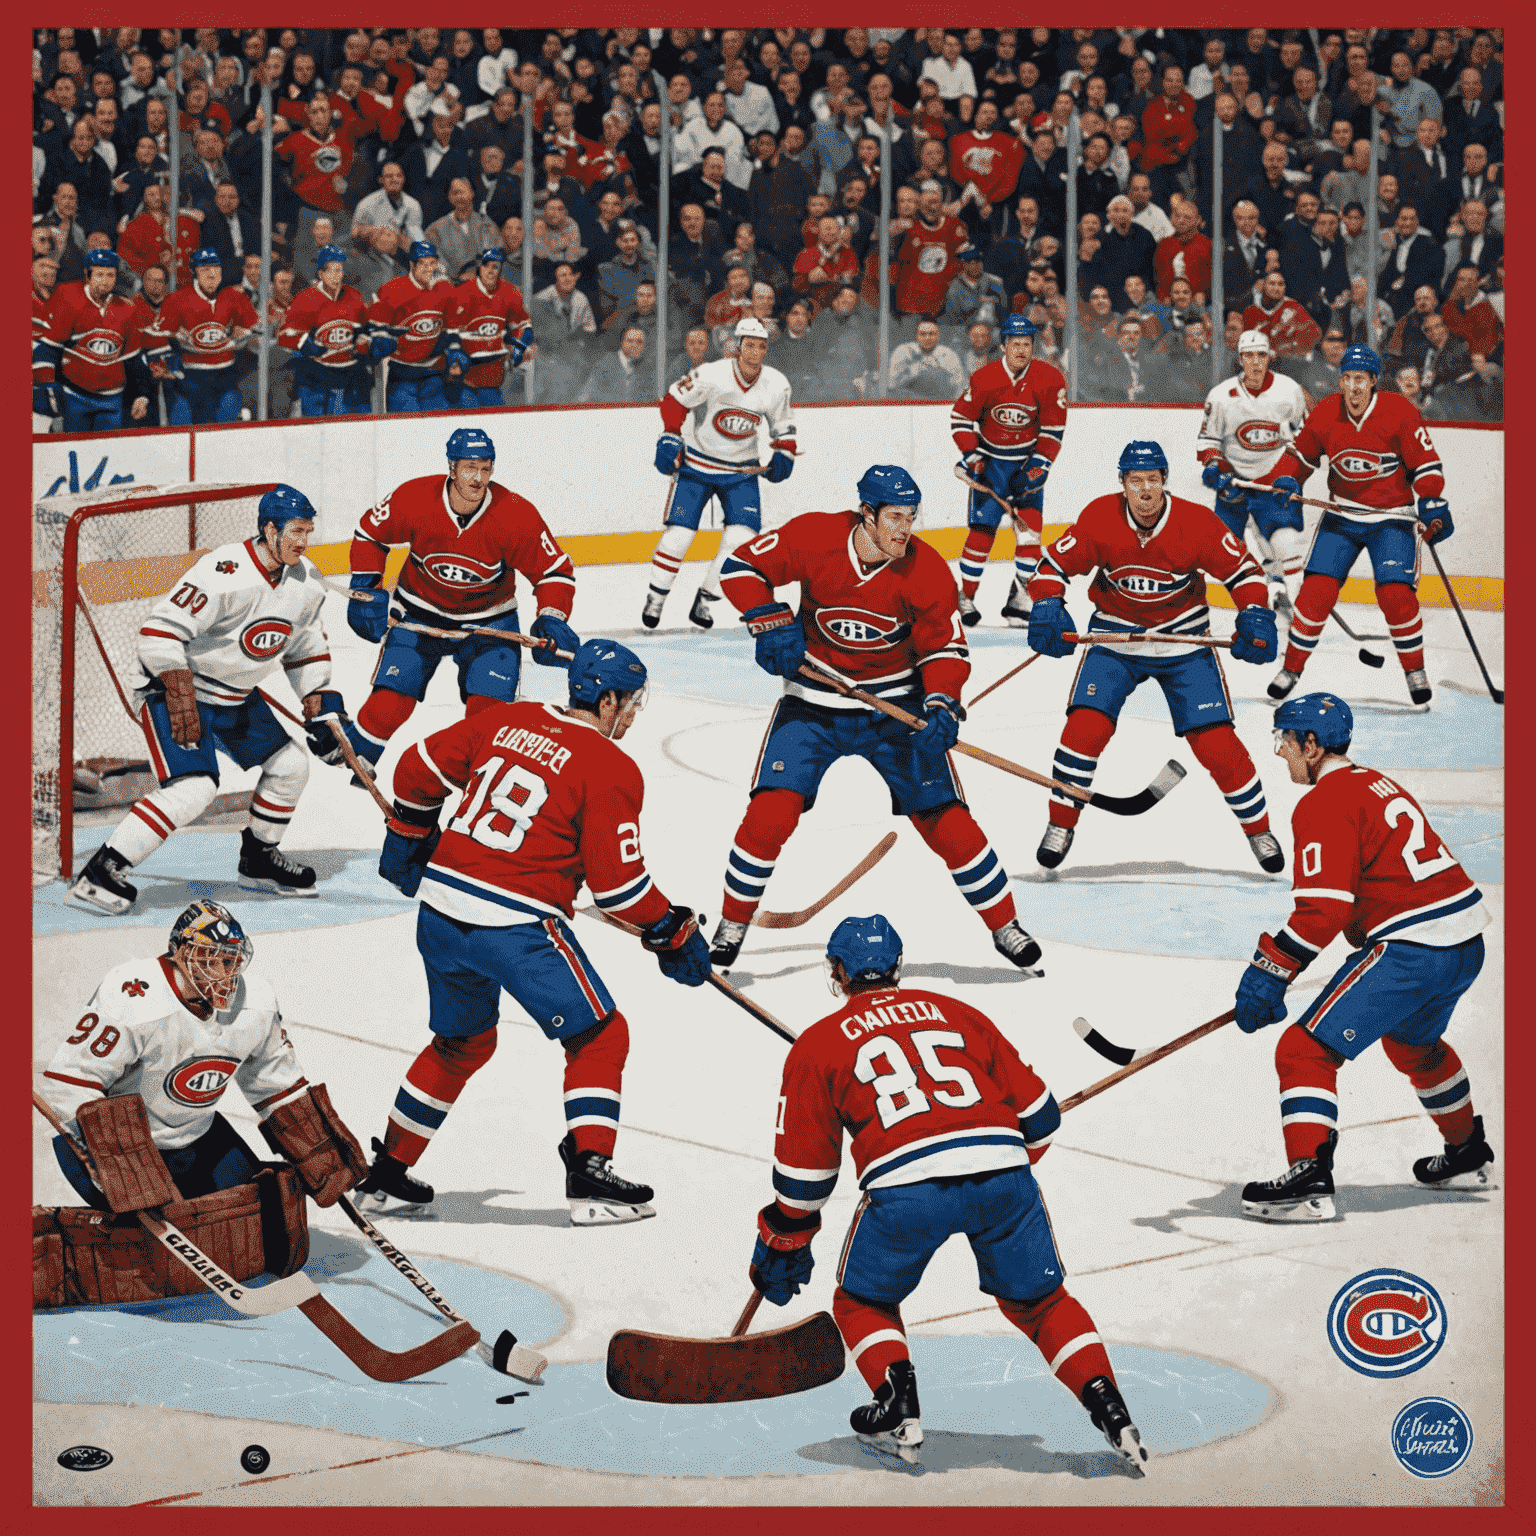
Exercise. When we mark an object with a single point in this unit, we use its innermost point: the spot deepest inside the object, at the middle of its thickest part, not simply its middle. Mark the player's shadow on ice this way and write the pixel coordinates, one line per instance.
(473, 1207)
(943, 1452)
(1140, 870)
(1349, 1200)
(170, 894)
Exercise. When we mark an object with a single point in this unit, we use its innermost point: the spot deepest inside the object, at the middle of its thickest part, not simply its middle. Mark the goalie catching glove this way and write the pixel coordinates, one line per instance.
(679, 947)
(410, 838)
(320, 708)
(781, 1258)
(1261, 992)
(129, 1168)
(311, 1135)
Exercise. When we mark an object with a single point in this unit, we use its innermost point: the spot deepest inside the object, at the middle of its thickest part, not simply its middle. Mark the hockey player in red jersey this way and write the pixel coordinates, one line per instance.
(1367, 865)
(941, 1144)
(468, 538)
(879, 606)
(1380, 458)
(326, 325)
(194, 340)
(1152, 552)
(549, 801)
(407, 324)
(1008, 427)
(489, 330)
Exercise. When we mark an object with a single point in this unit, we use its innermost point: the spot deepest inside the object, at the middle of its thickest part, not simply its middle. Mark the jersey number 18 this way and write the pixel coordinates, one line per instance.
(498, 781)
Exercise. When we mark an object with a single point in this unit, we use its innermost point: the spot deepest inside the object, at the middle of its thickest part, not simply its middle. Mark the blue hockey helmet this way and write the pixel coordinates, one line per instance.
(281, 505)
(1018, 325)
(867, 948)
(490, 253)
(888, 485)
(1359, 359)
(211, 948)
(601, 665)
(1142, 453)
(470, 443)
(327, 254)
(206, 256)
(101, 258)
(422, 250)
(1325, 715)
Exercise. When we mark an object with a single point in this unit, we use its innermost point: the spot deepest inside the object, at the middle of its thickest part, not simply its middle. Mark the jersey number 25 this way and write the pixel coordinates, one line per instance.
(897, 1091)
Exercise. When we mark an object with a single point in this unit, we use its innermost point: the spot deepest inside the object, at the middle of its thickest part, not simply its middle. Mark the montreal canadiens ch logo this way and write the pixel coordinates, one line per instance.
(337, 335)
(460, 571)
(736, 424)
(327, 159)
(1145, 583)
(264, 638)
(426, 325)
(200, 1081)
(209, 335)
(857, 629)
(1258, 435)
(103, 346)
(1356, 465)
(489, 328)
(1386, 1322)
(1011, 415)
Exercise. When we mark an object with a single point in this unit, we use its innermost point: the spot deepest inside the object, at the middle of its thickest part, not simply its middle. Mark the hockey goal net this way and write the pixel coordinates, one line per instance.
(100, 561)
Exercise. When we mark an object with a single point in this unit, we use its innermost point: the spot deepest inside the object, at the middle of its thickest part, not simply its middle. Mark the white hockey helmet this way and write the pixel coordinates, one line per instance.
(1253, 341)
(750, 325)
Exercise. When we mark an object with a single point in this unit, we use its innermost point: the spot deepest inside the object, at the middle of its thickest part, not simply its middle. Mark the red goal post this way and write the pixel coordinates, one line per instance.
(100, 561)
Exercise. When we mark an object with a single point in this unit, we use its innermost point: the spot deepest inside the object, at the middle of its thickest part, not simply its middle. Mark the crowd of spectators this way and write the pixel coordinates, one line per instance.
(384, 137)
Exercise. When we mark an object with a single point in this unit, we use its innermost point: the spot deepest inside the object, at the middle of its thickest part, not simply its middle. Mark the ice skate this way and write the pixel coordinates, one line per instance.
(1267, 850)
(101, 884)
(726, 944)
(699, 614)
(1419, 690)
(389, 1189)
(1463, 1167)
(1016, 609)
(1055, 845)
(1304, 1192)
(1282, 682)
(970, 614)
(650, 615)
(265, 867)
(1101, 1397)
(1014, 944)
(890, 1423)
(597, 1195)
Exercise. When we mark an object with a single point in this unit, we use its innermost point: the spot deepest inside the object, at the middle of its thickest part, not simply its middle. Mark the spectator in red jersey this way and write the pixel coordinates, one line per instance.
(1168, 133)
(146, 239)
(823, 266)
(1468, 314)
(320, 159)
(1292, 332)
(986, 164)
(732, 303)
(1185, 253)
(927, 261)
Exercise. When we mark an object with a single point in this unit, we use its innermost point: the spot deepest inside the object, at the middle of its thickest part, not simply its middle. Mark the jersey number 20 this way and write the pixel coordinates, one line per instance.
(897, 1094)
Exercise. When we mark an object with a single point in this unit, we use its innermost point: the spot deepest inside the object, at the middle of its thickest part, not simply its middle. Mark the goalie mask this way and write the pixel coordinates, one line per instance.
(211, 949)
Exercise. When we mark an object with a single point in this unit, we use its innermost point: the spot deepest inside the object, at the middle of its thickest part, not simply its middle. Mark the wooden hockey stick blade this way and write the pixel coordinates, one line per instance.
(1093, 1090)
(511, 1358)
(364, 773)
(384, 1364)
(857, 873)
(1121, 1055)
(1496, 694)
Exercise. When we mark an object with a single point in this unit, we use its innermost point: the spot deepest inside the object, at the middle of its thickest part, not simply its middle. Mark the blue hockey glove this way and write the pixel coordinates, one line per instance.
(409, 840)
(44, 402)
(781, 1257)
(368, 609)
(1287, 508)
(551, 626)
(1217, 479)
(1035, 472)
(309, 347)
(679, 947)
(322, 739)
(1261, 992)
(780, 467)
(779, 637)
(941, 730)
(669, 453)
(1435, 509)
(457, 357)
(518, 345)
(974, 464)
(1256, 639)
(1048, 622)
(381, 346)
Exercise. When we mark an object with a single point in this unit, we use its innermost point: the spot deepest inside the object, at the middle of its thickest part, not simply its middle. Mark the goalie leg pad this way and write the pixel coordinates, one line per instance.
(47, 1259)
(132, 1174)
(307, 1131)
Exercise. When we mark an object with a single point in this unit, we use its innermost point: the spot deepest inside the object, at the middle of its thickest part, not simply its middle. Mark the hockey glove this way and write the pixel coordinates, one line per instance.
(317, 726)
(457, 357)
(517, 346)
(368, 608)
(167, 364)
(1256, 639)
(669, 453)
(679, 947)
(44, 401)
(181, 705)
(1432, 510)
(779, 637)
(1035, 472)
(381, 346)
(1223, 482)
(1049, 621)
(307, 1131)
(1285, 490)
(1261, 992)
(974, 463)
(410, 837)
(941, 730)
(550, 625)
(309, 347)
(780, 467)
(781, 1257)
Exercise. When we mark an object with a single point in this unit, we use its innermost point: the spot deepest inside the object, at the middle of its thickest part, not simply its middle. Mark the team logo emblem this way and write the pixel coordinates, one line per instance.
(337, 335)
(1386, 1322)
(84, 1458)
(461, 570)
(1359, 465)
(426, 325)
(979, 158)
(489, 328)
(327, 158)
(932, 258)
(104, 347)
(209, 336)
(135, 988)
(200, 1081)
(857, 629)
(1145, 583)
(736, 423)
(265, 638)
(1258, 435)
(1431, 1436)
(1011, 415)
(226, 567)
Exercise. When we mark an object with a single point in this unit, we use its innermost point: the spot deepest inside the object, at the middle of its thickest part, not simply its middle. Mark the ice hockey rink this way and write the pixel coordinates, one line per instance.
(1215, 1325)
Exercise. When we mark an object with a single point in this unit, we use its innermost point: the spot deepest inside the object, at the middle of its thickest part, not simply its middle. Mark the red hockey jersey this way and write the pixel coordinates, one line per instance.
(1150, 580)
(319, 167)
(464, 574)
(1292, 332)
(991, 160)
(1011, 416)
(926, 263)
(1369, 865)
(415, 317)
(926, 1085)
(548, 803)
(90, 345)
(336, 323)
(893, 629)
(484, 326)
(203, 327)
(1376, 465)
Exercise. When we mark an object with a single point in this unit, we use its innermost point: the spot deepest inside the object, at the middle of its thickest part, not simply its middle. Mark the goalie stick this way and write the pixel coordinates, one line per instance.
(295, 1290)
(857, 873)
(1117, 805)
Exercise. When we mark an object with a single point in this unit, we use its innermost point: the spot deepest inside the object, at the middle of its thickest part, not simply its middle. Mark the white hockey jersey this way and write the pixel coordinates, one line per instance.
(230, 619)
(1249, 432)
(138, 1036)
(722, 437)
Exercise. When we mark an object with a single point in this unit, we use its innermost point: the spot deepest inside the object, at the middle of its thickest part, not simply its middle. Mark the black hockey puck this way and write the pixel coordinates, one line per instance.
(513, 1398)
(255, 1460)
(84, 1458)
(502, 1352)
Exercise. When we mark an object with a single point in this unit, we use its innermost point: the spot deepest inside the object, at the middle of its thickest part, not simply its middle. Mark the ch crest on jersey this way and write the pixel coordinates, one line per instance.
(1146, 583)
(327, 158)
(462, 570)
(336, 334)
(1361, 464)
(104, 346)
(735, 423)
(200, 1081)
(265, 637)
(1256, 436)
(979, 158)
(209, 336)
(857, 629)
(426, 326)
(1014, 414)
(932, 258)
(487, 328)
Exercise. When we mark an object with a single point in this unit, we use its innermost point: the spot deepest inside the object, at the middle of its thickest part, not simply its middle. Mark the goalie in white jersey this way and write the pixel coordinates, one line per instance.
(723, 405)
(1249, 422)
(237, 613)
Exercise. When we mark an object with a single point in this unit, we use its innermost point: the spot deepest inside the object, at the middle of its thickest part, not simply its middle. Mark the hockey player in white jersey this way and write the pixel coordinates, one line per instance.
(236, 614)
(1249, 422)
(139, 1078)
(722, 405)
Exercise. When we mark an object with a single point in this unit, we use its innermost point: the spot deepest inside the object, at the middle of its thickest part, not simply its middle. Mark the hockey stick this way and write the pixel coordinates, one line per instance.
(1014, 512)
(1370, 658)
(1117, 805)
(1496, 694)
(480, 629)
(992, 687)
(857, 873)
(1306, 501)
(1136, 1062)
(716, 980)
(508, 1357)
(295, 1290)
(1149, 637)
(363, 770)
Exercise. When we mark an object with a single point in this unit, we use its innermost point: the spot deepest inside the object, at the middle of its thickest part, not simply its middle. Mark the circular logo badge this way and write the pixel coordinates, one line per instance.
(265, 637)
(199, 1081)
(1431, 1437)
(1386, 1322)
(254, 1459)
(84, 1458)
